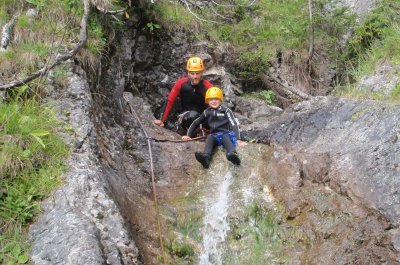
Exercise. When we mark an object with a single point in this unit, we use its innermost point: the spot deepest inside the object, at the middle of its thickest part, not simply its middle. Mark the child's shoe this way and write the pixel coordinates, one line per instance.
(234, 158)
(204, 159)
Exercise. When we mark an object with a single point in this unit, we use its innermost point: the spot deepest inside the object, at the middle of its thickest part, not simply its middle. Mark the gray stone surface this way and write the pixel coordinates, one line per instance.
(361, 136)
(80, 223)
(359, 7)
(358, 144)
(384, 79)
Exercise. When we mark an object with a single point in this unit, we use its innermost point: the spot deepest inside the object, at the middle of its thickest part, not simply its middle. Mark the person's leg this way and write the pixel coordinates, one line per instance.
(231, 154)
(205, 157)
(188, 119)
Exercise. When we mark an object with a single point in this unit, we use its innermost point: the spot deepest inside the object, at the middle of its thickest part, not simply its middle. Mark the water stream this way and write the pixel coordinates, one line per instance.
(228, 216)
(216, 224)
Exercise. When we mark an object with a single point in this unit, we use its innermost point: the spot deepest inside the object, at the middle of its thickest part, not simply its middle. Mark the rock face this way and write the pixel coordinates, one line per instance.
(346, 150)
(359, 7)
(335, 165)
(383, 80)
(81, 224)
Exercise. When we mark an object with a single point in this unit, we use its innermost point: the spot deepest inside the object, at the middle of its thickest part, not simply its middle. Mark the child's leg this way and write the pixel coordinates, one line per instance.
(205, 157)
(231, 154)
(210, 144)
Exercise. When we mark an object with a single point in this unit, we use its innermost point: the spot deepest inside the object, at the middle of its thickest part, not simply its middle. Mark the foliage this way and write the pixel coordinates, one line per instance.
(31, 159)
(173, 14)
(266, 95)
(262, 235)
(55, 28)
(258, 30)
(181, 250)
(150, 26)
(375, 42)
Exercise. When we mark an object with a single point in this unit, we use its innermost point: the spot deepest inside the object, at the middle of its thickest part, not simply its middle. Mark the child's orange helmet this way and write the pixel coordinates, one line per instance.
(214, 92)
(195, 64)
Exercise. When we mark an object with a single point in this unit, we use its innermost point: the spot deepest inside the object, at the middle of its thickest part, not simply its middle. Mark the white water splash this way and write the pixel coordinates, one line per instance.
(216, 224)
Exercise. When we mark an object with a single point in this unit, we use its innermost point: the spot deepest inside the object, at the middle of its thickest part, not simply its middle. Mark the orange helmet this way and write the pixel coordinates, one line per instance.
(195, 64)
(214, 92)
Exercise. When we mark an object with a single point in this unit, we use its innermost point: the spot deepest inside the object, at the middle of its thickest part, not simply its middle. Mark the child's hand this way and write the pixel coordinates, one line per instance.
(241, 143)
(186, 138)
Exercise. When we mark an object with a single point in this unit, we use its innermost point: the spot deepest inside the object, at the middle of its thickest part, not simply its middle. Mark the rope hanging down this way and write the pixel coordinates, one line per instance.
(152, 179)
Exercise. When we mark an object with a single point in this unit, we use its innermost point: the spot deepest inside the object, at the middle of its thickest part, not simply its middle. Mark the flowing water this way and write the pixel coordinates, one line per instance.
(216, 223)
(230, 195)
(229, 216)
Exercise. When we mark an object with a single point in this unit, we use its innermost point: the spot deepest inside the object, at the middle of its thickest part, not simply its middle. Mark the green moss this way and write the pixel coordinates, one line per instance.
(395, 93)
(23, 21)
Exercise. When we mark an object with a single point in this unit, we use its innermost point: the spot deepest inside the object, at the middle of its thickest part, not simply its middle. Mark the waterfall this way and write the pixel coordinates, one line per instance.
(216, 224)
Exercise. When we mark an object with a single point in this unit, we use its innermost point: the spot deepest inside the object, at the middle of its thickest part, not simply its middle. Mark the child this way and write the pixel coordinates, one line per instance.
(223, 126)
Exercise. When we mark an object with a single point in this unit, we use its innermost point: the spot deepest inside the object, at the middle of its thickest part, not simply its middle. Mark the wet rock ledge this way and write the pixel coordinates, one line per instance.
(80, 223)
(336, 168)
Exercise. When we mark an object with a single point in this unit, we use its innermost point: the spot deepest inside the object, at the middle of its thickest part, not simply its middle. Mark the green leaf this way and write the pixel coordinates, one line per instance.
(16, 250)
(38, 140)
(8, 247)
(11, 262)
(39, 133)
(26, 153)
(23, 259)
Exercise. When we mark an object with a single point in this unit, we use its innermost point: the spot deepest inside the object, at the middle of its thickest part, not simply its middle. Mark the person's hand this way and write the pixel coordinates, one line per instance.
(241, 143)
(159, 123)
(186, 138)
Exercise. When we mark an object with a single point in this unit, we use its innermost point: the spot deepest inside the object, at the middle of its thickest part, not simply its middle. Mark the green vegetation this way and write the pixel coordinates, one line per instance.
(55, 28)
(374, 43)
(31, 159)
(258, 30)
(258, 239)
(184, 230)
(265, 95)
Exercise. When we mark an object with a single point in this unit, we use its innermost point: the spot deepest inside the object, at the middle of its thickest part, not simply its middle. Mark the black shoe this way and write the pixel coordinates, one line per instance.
(234, 158)
(204, 159)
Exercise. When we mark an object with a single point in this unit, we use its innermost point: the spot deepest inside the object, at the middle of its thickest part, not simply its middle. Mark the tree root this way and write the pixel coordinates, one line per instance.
(289, 91)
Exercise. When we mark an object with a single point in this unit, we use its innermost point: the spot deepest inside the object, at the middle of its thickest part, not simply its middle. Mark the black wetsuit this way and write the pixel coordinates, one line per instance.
(219, 120)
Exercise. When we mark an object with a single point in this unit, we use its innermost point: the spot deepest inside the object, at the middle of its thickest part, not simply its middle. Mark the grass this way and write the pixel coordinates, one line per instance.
(258, 238)
(257, 31)
(374, 43)
(31, 159)
(267, 96)
(54, 28)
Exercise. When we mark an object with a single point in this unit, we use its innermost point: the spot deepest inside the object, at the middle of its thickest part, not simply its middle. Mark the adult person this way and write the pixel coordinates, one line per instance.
(191, 90)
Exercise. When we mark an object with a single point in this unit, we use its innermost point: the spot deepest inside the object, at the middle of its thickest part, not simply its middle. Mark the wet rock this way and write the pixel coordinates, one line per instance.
(80, 224)
(347, 150)
(256, 111)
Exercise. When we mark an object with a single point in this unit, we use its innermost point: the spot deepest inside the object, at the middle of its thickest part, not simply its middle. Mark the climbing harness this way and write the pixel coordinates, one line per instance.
(152, 179)
(218, 137)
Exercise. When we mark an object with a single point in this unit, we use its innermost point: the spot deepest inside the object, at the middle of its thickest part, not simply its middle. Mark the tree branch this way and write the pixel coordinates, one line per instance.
(290, 91)
(110, 12)
(196, 16)
(311, 48)
(59, 57)
(6, 33)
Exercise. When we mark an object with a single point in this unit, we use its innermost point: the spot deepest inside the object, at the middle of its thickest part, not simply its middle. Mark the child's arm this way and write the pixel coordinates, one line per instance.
(235, 127)
(233, 122)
